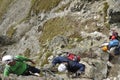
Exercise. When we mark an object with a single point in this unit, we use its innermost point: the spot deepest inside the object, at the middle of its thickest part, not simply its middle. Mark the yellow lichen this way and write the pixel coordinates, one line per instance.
(11, 31)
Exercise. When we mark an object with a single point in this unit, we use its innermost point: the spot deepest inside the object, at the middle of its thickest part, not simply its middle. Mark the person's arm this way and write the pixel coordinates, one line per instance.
(6, 75)
(22, 58)
(6, 72)
(55, 61)
(58, 60)
(31, 61)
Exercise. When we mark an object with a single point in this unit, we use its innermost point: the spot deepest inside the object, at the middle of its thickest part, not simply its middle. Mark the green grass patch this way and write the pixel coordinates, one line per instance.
(43, 5)
(60, 26)
(45, 61)
(54, 27)
(76, 36)
(65, 6)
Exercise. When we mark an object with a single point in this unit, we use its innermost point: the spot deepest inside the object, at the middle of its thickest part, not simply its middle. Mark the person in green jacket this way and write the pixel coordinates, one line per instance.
(17, 65)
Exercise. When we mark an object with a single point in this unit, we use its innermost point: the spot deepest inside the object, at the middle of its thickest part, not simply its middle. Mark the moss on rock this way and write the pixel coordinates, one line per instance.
(44, 5)
(11, 31)
(54, 27)
(105, 8)
(66, 25)
(65, 6)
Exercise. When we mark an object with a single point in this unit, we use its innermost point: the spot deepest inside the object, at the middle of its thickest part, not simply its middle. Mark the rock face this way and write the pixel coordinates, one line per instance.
(114, 12)
(43, 29)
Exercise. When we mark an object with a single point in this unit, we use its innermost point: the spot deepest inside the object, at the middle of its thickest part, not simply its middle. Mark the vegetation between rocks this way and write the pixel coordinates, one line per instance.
(54, 27)
(44, 5)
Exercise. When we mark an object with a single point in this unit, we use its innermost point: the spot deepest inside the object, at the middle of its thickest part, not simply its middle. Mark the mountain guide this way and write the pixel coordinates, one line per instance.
(17, 65)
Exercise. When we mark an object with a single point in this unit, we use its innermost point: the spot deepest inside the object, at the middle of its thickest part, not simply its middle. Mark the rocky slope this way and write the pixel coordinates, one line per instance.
(42, 29)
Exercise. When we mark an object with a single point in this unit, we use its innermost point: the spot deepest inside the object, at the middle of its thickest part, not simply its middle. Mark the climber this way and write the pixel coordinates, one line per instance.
(17, 65)
(112, 47)
(66, 64)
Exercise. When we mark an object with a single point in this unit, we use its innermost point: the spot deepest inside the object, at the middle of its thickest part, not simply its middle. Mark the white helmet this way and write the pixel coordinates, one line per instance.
(7, 58)
(61, 68)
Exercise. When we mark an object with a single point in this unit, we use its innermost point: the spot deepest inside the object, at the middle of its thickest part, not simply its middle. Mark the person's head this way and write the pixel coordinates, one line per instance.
(7, 59)
(113, 37)
(62, 67)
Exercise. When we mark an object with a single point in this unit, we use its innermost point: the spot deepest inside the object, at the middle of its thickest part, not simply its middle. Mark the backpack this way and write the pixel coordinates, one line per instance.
(113, 43)
(73, 57)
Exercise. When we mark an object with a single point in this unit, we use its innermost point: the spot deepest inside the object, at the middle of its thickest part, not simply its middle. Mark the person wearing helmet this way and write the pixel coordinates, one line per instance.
(113, 47)
(17, 65)
(68, 65)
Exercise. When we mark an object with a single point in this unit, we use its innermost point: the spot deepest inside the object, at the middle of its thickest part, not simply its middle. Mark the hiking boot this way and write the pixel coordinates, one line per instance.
(36, 74)
(78, 73)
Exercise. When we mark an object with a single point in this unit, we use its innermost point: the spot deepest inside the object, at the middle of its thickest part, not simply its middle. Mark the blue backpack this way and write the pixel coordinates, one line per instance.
(113, 43)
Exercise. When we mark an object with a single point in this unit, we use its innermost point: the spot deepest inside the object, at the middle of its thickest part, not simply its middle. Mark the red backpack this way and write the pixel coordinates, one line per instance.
(73, 57)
